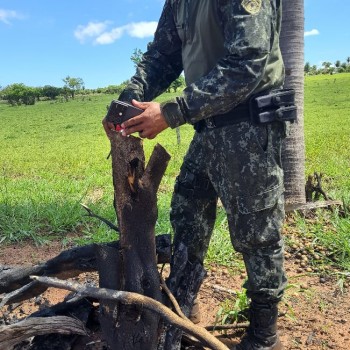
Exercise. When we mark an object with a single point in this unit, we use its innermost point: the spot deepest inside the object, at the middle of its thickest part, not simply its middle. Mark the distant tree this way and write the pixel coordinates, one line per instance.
(344, 67)
(307, 68)
(136, 57)
(73, 84)
(66, 92)
(337, 63)
(50, 92)
(176, 84)
(114, 89)
(124, 84)
(13, 94)
(18, 93)
(326, 66)
(313, 70)
(348, 60)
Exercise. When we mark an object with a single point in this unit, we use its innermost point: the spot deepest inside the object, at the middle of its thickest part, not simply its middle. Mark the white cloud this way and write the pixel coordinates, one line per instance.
(110, 37)
(142, 29)
(98, 33)
(92, 29)
(7, 15)
(312, 32)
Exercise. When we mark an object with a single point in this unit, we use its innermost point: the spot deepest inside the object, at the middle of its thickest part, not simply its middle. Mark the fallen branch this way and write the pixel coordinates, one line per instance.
(220, 289)
(67, 264)
(20, 331)
(172, 298)
(224, 327)
(130, 298)
(91, 214)
(302, 207)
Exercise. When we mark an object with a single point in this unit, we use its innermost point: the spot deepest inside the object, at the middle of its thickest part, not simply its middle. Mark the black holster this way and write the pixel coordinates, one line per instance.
(278, 105)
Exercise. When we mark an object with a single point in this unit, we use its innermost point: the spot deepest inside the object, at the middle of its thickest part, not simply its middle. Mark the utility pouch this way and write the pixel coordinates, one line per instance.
(278, 105)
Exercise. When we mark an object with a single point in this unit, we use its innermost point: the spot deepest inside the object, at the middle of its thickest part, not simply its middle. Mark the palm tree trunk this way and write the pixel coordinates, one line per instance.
(292, 47)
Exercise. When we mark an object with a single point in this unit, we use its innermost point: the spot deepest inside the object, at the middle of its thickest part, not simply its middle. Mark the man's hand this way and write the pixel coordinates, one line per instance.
(148, 124)
(109, 127)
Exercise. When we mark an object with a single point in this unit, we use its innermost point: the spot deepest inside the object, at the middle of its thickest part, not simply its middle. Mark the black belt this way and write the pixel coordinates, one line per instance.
(262, 108)
(237, 115)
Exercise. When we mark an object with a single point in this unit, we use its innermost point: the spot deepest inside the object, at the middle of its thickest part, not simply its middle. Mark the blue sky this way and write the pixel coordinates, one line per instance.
(43, 41)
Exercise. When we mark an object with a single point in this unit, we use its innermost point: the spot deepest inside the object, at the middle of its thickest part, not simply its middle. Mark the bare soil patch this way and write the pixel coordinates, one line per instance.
(315, 311)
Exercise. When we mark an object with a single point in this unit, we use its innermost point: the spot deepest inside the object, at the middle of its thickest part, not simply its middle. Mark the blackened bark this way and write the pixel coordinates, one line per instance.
(135, 191)
(16, 333)
(70, 263)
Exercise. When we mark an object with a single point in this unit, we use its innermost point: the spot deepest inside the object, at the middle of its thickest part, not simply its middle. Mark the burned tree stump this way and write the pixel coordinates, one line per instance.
(130, 300)
(135, 187)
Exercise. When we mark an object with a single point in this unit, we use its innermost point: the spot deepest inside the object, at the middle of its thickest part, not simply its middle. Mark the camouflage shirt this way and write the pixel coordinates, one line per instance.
(228, 50)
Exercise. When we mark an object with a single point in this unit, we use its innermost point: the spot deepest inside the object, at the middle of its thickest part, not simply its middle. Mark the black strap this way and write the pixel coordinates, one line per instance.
(261, 108)
(237, 115)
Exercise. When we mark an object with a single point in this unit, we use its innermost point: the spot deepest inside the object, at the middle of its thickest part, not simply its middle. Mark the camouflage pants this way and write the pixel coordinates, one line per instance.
(241, 165)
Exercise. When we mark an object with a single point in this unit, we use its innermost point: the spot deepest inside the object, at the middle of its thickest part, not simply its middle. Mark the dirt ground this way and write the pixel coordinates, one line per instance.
(315, 312)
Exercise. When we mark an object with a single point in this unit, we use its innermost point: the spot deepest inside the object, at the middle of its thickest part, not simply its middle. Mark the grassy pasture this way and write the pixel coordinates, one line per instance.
(327, 130)
(53, 157)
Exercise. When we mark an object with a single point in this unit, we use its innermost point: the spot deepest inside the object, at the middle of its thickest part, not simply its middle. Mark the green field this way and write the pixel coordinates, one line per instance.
(327, 130)
(53, 157)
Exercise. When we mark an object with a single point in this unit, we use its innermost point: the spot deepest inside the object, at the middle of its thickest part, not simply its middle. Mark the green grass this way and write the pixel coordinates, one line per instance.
(327, 136)
(233, 310)
(53, 157)
(327, 130)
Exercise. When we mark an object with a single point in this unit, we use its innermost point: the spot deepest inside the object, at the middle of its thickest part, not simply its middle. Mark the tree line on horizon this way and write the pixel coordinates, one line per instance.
(328, 67)
(18, 93)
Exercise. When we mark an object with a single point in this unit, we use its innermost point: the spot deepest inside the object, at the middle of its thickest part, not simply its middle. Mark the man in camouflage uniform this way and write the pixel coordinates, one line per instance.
(229, 51)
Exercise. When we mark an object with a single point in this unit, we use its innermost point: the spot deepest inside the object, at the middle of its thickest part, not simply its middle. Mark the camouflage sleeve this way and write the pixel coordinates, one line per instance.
(161, 64)
(249, 32)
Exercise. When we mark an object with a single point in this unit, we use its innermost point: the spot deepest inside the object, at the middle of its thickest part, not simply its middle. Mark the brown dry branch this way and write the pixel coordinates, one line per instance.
(172, 298)
(91, 214)
(225, 327)
(313, 192)
(309, 206)
(17, 286)
(130, 298)
(16, 333)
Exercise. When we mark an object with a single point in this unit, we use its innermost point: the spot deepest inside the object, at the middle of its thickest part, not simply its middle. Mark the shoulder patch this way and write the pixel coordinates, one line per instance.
(252, 6)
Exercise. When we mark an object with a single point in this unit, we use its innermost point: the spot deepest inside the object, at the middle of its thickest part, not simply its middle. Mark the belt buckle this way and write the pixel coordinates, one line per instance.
(210, 123)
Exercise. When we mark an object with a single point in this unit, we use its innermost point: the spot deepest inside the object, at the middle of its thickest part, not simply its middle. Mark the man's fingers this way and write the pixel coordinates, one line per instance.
(108, 127)
(132, 122)
(132, 129)
(142, 105)
(133, 125)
